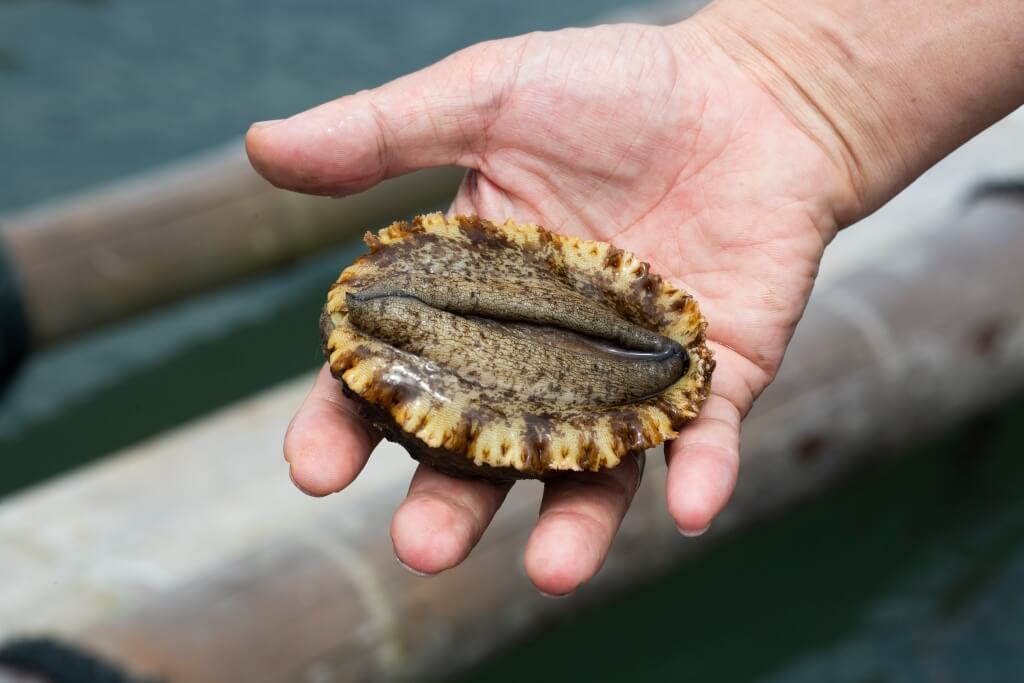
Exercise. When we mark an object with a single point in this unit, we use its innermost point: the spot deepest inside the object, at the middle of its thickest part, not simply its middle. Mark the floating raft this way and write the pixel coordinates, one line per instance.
(191, 558)
(163, 236)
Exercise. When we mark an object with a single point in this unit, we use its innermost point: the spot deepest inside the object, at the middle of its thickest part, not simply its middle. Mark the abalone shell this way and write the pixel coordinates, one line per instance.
(507, 351)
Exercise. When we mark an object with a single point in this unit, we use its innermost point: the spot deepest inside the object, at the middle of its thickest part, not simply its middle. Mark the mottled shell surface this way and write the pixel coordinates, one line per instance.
(451, 421)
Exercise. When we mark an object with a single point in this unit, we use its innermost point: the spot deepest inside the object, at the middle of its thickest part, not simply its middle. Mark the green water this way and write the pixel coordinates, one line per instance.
(913, 573)
(93, 90)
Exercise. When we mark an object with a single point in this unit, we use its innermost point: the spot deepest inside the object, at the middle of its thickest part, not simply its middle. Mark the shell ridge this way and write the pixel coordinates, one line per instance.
(527, 444)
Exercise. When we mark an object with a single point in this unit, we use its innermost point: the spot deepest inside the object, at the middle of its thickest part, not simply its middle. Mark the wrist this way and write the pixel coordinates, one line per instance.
(804, 63)
(885, 89)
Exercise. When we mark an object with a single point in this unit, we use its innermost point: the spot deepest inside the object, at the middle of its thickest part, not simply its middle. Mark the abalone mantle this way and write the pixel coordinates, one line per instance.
(507, 351)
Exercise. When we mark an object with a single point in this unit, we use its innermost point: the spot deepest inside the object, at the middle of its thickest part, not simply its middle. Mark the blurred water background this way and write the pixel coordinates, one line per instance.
(97, 89)
(909, 573)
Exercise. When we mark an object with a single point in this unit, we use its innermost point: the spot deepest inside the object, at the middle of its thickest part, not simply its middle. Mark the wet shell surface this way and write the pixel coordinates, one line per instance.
(506, 351)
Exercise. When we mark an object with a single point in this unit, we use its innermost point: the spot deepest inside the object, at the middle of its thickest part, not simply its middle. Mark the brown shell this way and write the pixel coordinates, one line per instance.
(464, 435)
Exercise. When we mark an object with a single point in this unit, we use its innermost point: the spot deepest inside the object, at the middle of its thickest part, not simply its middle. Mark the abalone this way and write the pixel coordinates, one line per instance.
(507, 351)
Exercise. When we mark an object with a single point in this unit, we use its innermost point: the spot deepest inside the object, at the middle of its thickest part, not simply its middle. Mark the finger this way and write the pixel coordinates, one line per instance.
(702, 466)
(436, 116)
(327, 443)
(579, 516)
(442, 518)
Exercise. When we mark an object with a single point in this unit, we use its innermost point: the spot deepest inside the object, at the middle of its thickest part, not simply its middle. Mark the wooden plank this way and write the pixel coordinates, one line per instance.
(141, 243)
(191, 556)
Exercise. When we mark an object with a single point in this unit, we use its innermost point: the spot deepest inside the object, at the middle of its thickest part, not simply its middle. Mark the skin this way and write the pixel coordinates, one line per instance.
(726, 150)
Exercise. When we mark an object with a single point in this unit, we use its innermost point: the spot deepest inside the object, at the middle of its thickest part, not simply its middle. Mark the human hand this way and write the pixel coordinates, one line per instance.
(652, 138)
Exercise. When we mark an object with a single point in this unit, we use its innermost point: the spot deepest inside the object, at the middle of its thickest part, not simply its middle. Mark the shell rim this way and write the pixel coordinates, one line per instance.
(506, 442)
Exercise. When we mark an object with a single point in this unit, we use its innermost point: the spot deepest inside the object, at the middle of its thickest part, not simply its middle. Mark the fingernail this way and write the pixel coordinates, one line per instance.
(693, 534)
(554, 596)
(266, 124)
(409, 569)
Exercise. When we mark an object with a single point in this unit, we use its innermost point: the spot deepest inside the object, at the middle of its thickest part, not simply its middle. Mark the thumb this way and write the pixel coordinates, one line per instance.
(434, 117)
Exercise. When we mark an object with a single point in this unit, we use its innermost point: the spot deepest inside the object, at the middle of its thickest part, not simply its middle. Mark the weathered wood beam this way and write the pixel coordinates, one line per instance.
(191, 557)
(111, 253)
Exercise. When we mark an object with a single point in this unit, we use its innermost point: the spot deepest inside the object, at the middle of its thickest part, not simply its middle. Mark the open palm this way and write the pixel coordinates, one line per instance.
(651, 138)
